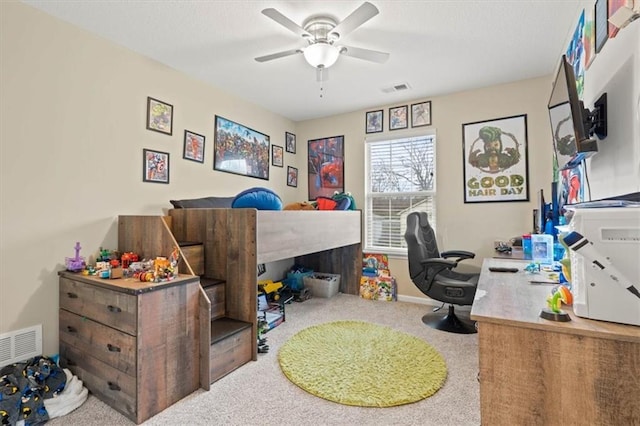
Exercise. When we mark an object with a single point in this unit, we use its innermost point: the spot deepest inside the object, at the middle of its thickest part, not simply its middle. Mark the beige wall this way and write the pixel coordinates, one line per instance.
(73, 130)
(471, 227)
(71, 138)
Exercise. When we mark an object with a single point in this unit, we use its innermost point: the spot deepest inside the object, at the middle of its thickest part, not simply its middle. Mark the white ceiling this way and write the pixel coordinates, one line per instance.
(436, 46)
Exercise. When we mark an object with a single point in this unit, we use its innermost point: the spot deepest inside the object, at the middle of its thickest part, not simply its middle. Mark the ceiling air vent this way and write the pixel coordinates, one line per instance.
(396, 88)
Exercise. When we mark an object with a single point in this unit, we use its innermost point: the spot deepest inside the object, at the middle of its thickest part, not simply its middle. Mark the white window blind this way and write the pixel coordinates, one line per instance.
(400, 179)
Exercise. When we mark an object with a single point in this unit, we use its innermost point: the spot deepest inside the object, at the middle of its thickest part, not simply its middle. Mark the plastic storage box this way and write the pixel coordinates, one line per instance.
(323, 285)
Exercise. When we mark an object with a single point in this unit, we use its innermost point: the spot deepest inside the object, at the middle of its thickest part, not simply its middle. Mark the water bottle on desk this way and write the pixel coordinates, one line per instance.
(526, 246)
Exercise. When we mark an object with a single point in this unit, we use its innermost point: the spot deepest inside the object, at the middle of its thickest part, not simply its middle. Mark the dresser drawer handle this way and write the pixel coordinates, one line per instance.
(115, 309)
(72, 295)
(112, 348)
(71, 329)
(71, 362)
(113, 386)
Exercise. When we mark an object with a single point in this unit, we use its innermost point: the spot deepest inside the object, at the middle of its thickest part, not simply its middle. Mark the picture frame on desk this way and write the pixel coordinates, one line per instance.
(542, 249)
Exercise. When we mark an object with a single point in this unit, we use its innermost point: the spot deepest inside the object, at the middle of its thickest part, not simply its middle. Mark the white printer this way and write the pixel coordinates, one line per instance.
(605, 263)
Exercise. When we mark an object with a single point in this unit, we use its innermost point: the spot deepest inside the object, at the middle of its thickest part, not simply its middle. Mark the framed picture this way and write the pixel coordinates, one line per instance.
(421, 114)
(292, 176)
(589, 37)
(542, 248)
(159, 116)
(290, 142)
(374, 121)
(576, 53)
(326, 166)
(240, 150)
(398, 118)
(601, 13)
(155, 166)
(193, 146)
(495, 160)
(614, 6)
(277, 155)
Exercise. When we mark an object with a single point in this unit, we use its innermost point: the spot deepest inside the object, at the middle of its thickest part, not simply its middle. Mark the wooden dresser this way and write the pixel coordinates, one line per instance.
(134, 345)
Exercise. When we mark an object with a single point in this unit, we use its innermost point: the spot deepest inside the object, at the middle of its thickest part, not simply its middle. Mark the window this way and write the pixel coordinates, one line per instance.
(400, 179)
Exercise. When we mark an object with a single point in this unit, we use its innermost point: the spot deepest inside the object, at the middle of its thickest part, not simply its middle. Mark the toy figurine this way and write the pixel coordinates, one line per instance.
(560, 294)
(533, 267)
(77, 263)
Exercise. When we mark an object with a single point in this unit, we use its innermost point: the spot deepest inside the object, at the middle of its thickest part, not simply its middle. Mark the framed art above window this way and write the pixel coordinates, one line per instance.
(374, 121)
(398, 117)
(421, 114)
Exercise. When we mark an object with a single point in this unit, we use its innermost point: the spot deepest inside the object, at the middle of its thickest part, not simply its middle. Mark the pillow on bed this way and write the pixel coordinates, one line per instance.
(206, 202)
(257, 198)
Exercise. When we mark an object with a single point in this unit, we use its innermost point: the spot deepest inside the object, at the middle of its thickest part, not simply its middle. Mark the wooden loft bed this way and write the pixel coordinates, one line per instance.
(235, 241)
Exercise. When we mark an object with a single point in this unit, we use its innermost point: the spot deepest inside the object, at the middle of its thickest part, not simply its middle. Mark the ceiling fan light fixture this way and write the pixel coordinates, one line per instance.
(321, 55)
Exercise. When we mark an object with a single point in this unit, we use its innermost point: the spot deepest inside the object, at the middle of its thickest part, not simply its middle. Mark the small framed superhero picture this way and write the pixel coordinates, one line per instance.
(155, 166)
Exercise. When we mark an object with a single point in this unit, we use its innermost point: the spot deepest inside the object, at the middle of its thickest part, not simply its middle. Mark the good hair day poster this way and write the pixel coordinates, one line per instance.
(495, 160)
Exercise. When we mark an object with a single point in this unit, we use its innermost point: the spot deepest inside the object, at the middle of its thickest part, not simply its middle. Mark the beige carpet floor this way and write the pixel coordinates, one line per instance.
(259, 394)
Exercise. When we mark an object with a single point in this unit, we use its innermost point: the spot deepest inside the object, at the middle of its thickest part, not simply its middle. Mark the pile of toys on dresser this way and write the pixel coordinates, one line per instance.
(110, 264)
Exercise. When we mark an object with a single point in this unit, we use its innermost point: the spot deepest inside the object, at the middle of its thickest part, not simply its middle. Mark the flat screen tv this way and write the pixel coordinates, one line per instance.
(573, 126)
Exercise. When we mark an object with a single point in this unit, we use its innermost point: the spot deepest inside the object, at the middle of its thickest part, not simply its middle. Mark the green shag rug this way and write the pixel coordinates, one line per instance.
(362, 364)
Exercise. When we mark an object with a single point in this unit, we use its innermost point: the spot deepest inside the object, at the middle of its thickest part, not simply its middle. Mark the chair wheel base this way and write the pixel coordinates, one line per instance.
(450, 322)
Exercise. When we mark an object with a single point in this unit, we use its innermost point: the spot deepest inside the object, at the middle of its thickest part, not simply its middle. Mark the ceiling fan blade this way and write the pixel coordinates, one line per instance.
(285, 22)
(358, 17)
(277, 55)
(366, 54)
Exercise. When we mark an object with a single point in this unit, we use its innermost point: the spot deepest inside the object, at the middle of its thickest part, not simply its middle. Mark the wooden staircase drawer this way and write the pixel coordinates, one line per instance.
(230, 353)
(111, 346)
(216, 295)
(194, 254)
(109, 384)
(118, 310)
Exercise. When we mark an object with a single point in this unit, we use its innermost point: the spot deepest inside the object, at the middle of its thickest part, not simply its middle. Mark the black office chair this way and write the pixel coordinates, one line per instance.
(433, 273)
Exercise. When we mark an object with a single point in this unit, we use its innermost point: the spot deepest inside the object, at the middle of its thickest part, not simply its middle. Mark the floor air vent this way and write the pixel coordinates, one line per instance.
(20, 345)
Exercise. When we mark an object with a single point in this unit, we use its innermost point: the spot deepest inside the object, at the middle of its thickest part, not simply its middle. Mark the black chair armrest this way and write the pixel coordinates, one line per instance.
(438, 264)
(460, 254)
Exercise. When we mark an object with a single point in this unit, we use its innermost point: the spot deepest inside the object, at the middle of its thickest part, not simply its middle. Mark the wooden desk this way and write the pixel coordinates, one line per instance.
(539, 372)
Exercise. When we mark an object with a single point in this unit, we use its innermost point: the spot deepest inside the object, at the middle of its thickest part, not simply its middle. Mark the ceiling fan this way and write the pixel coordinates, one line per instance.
(321, 33)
